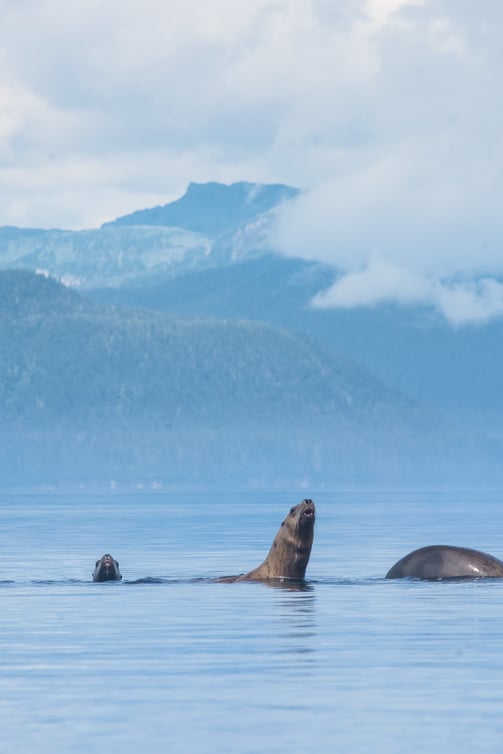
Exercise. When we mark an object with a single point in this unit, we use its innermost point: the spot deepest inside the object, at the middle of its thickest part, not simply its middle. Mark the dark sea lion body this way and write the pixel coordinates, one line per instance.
(290, 550)
(107, 569)
(446, 562)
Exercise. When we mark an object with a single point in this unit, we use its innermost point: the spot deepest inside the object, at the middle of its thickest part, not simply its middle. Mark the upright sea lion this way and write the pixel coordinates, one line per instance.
(446, 562)
(107, 569)
(290, 550)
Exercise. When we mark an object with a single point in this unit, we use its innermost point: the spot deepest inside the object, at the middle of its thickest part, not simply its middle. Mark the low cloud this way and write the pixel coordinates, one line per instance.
(385, 113)
(472, 301)
(403, 228)
(410, 210)
(460, 302)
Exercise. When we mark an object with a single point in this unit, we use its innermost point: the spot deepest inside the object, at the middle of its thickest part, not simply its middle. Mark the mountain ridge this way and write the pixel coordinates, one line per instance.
(211, 225)
(455, 370)
(212, 208)
(237, 275)
(90, 391)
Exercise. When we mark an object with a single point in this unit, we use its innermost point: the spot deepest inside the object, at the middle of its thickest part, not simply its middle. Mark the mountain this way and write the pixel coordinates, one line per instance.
(210, 226)
(455, 370)
(218, 262)
(100, 392)
(213, 208)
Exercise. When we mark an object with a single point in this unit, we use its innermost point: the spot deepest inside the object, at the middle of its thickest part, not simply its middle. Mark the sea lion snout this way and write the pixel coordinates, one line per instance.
(305, 515)
(107, 569)
(309, 508)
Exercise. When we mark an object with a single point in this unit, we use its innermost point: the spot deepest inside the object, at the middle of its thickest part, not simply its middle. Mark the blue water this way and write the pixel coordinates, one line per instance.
(353, 663)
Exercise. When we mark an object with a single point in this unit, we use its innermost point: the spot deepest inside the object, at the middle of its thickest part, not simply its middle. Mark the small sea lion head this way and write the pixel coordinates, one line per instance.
(107, 569)
(303, 516)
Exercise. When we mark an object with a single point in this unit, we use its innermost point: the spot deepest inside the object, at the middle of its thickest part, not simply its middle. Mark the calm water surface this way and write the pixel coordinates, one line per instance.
(352, 663)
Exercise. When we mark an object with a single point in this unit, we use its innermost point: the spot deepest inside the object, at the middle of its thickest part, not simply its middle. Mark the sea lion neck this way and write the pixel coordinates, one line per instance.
(291, 548)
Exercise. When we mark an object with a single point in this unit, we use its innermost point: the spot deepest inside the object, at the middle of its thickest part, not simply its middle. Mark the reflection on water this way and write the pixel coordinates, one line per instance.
(298, 616)
(288, 585)
(170, 659)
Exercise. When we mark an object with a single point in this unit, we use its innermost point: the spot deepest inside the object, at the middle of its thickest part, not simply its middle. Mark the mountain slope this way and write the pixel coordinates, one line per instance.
(213, 208)
(210, 226)
(233, 273)
(88, 391)
(456, 370)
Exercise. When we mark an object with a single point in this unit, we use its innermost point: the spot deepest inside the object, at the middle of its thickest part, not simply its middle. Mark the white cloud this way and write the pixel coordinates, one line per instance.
(460, 302)
(473, 301)
(385, 111)
(414, 203)
(379, 281)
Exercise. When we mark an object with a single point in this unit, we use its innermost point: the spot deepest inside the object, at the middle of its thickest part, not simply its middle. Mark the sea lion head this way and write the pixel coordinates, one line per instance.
(291, 548)
(107, 569)
(302, 517)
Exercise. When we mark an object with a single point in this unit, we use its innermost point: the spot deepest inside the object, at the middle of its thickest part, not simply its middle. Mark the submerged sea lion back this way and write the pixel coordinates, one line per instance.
(446, 562)
(107, 569)
(291, 548)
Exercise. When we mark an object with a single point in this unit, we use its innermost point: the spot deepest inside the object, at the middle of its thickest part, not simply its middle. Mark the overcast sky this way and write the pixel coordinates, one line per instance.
(388, 114)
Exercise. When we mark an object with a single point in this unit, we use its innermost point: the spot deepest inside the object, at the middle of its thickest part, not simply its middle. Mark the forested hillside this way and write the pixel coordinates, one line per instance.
(455, 369)
(215, 356)
(88, 392)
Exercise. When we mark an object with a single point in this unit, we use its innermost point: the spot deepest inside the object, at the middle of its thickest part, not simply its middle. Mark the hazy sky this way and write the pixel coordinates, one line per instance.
(387, 112)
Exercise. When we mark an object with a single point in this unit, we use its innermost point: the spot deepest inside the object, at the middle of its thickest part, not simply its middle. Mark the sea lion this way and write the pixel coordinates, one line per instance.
(446, 562)
(290, 550)
(107, 569)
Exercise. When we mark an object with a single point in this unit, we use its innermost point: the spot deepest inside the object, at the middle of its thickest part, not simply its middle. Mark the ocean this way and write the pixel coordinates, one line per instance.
(169, 660)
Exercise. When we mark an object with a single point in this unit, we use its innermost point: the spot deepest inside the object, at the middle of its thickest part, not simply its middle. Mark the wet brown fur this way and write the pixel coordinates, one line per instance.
(290, 550)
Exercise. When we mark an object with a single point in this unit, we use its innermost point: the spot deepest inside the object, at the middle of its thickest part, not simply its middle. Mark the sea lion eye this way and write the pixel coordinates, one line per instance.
(96, 562)
(116, 563)
(292, 510)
